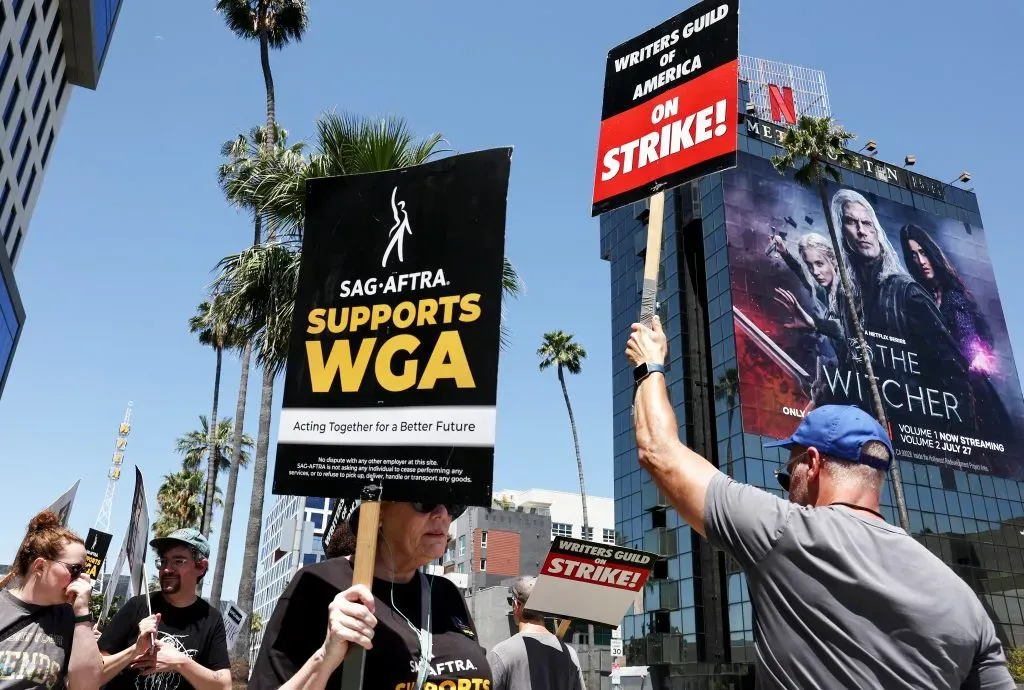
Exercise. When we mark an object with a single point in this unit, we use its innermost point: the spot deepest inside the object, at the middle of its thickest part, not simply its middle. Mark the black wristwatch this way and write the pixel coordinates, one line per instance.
(644, 370)
(87, 618)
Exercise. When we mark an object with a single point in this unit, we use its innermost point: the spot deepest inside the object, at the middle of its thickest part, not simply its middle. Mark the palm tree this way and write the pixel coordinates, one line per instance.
(727, 389)
(214, 330)
(274, 24)
(177, 502)
(194, 445)
(810, 146)
(245, 155)
(559, 349)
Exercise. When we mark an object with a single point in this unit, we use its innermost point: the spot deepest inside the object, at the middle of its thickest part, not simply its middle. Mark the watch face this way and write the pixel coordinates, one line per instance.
(640, 372)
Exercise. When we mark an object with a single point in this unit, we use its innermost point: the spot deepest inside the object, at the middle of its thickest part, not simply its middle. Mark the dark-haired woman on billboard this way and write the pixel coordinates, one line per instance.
(930, 267)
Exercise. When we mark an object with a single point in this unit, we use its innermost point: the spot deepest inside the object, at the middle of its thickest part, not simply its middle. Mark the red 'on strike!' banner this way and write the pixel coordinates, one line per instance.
(588, 570)
(682, 128)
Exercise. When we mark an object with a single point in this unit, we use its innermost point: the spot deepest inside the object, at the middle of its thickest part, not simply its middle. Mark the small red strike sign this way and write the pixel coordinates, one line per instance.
(588, 570)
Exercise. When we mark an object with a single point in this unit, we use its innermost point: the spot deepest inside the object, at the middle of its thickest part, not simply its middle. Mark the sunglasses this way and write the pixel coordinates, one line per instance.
(74, 569)
(454, 509)
(784, 475)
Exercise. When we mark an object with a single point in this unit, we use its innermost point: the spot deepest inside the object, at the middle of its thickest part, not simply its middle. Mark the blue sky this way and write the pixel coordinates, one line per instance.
(130, 221)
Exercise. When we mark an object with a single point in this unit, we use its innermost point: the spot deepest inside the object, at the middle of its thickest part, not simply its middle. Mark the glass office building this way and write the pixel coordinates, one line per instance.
(46, 48)
(716, 304)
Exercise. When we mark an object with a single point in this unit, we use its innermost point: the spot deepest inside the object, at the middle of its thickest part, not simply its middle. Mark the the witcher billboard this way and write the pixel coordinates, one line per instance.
(926, 298)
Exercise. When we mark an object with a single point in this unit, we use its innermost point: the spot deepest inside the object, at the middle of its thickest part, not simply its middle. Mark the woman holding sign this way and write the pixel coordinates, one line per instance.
(46, 637)
(415, 627)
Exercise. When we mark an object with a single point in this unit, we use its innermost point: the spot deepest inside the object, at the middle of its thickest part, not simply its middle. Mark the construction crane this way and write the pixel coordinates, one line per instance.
(120, 445)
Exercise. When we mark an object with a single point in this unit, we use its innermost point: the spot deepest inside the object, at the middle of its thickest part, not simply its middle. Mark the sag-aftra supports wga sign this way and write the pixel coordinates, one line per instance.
(392, 369)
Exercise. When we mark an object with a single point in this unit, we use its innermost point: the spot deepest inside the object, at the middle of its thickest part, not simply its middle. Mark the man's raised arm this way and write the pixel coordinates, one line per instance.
(682, 475)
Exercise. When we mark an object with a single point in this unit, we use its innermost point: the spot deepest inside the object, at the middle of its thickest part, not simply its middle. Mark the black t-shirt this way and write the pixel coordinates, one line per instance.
(198, 630)
(299, 625)
(35, 644)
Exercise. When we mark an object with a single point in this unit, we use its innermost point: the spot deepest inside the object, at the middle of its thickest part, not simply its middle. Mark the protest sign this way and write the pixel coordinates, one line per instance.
(62, 506)
(589, 581)
(391, 379)
(96, 545)
(233, 619)
(136, 540)
(670, 111)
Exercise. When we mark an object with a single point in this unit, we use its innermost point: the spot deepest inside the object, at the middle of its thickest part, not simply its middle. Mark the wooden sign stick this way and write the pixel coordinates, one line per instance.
(652, 261)
(362, 567)
(563, 627)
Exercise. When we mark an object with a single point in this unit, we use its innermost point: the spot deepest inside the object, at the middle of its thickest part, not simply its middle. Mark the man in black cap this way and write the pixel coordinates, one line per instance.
(843, 599)
(190, 636)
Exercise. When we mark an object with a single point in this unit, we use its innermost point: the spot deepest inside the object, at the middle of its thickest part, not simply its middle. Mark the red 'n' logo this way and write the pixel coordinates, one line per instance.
(781, 101)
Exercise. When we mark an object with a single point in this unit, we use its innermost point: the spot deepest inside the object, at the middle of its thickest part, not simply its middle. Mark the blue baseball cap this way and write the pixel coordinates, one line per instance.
(838, 431)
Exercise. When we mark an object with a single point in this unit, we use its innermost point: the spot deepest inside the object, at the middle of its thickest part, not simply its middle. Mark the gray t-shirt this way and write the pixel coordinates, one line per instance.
(844, 601)
(533, 661)
(36, 654)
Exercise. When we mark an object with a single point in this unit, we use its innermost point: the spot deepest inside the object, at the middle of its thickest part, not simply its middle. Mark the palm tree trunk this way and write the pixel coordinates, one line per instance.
(229, 498)
(876, 398)
(268, 76)
(576, 442)
(213, 451)
(592, 671)
(247, 584)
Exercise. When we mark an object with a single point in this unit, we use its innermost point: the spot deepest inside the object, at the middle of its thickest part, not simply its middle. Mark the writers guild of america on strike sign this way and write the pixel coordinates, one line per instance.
(391, 377)
(587, 581)
(669, 113)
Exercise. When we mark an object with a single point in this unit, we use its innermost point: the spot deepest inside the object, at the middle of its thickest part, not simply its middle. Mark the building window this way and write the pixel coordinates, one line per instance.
(16, 4)
(49, 145)
(57, 60)
(462, 545)
(46, 7)
(3, 196)
(32, 66)
(5, 64)
(588, 534)
(24, 161)
(14, 248)
(483, 565)
(12, 101)
(608, 536)
(54, 25)
(28, 188)
(10, 223)
(60, 91)
(40, 91)
(560, 529)
(43, 123)
(18, 131)
(460, 568)
(483, 539)
(26, 33)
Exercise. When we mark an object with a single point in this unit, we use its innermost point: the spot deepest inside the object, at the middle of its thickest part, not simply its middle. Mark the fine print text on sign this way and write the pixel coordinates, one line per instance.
(670, 106)
(588, 581)
(392, 369)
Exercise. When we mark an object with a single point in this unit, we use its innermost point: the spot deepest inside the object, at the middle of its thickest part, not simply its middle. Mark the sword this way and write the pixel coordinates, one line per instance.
(771, 348)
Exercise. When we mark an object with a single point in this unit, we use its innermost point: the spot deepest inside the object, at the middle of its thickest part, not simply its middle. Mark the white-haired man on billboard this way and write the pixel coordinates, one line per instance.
(843, 599)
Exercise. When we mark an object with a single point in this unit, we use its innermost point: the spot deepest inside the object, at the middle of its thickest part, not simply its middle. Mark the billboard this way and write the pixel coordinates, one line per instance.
(927, 300)
(392, 370)
(669, 109)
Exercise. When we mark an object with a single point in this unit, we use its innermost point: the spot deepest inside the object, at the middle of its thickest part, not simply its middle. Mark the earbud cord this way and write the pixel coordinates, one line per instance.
(423, 634)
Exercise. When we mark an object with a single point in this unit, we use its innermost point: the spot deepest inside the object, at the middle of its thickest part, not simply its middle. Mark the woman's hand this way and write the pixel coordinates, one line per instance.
(78, 594)
(350, 620)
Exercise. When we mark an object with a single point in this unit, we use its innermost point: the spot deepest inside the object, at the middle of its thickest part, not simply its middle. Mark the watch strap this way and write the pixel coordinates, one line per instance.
(87, 618)
(646, 369)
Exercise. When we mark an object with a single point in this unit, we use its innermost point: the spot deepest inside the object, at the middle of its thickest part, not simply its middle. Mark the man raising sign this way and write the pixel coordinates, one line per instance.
(843, 599)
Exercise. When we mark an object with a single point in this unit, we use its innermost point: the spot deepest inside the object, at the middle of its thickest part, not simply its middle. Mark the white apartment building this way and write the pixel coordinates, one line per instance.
(566, 510)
